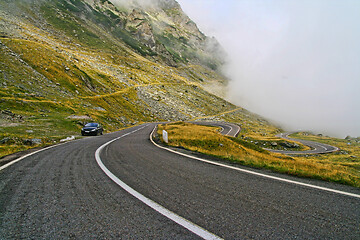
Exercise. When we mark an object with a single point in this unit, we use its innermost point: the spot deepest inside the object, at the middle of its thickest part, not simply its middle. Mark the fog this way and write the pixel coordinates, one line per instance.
(294, 62)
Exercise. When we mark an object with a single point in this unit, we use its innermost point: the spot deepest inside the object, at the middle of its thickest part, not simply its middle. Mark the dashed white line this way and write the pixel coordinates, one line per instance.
(201, 232)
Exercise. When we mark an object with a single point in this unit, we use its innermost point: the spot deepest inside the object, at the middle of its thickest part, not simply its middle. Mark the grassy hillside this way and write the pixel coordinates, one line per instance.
(67, 62)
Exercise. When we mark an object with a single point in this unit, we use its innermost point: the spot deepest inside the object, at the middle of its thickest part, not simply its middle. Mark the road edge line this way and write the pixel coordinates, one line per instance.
(192, 227)
(27, 155)
(252, 172)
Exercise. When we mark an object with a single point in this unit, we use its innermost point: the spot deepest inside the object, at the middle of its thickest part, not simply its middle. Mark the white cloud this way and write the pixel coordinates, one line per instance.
(296, 62)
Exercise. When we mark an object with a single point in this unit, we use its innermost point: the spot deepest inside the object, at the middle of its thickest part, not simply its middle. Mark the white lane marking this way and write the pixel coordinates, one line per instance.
(27, 155)
(224, 124)
(201, 232)
(254, 173)
(321, 146)
(312, 144)
(222, 129)
(237, 132)
(229, 130)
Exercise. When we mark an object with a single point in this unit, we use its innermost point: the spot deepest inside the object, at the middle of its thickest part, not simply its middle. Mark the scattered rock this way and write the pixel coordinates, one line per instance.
(78, 117)
(31, 142)
(8, 112)
(99, 109)
(9, 115)
(289, 145)
(67, 139)
(4, 140)
(36, 141)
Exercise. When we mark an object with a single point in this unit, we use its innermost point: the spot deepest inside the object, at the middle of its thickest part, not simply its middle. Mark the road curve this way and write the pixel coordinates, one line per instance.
(230, 129)
(317, 148)
(227, 129)
(62, 193)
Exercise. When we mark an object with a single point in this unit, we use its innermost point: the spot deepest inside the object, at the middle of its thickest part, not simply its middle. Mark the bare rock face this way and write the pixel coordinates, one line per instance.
(163, 27)
(140, 27)
(168, 4)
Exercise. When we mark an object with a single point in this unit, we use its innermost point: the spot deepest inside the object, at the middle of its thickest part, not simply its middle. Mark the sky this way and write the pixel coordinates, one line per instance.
(296, 62)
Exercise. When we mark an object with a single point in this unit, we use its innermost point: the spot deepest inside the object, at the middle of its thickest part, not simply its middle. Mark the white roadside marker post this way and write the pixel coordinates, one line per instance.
(165, 136)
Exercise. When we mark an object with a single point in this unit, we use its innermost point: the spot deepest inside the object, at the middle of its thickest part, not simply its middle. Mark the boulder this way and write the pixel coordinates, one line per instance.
(289, 145)
(36, 141)
(4, 140)
(31, 142)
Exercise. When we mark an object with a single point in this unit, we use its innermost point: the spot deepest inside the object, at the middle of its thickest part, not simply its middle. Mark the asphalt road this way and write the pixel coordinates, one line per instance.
(227, 129)
(62, 193)
(230, 129)
(316, 147)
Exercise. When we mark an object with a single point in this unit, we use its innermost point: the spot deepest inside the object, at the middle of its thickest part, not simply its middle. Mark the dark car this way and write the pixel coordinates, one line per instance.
(92, 129)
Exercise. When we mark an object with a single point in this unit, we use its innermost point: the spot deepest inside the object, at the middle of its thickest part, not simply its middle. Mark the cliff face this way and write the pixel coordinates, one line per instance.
(162, 26)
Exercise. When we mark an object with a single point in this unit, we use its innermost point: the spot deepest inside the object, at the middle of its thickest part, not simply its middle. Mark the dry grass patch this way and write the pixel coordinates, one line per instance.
(208, 140)
(348, 155)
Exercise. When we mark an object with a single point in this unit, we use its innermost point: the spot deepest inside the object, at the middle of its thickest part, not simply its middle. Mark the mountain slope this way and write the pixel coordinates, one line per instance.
(66, 62)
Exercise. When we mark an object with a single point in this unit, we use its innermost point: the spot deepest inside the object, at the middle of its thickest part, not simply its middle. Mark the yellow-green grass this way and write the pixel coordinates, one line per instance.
(10, 149)
(49, 128)
(348, 156)
(57, 97)
(266, 142)
(208, 140)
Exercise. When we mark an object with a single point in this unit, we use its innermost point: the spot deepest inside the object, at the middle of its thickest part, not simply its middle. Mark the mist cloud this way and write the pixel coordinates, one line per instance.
(295, 62)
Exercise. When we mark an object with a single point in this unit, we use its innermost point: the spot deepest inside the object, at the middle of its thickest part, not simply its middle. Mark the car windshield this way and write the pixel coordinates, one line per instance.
(91, 125)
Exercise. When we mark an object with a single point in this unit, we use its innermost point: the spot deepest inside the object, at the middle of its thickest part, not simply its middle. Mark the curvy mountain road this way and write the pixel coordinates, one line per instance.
(317, 148)
(65, 192)
(230, 129)
(227, 129)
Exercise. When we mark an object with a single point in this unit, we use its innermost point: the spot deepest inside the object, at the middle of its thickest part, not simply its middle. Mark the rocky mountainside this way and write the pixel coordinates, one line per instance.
(166, 30)
(66, 62)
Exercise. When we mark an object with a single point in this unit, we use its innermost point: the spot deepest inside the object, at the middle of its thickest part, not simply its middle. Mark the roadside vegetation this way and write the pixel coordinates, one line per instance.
(348, 156)
(209, 141)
